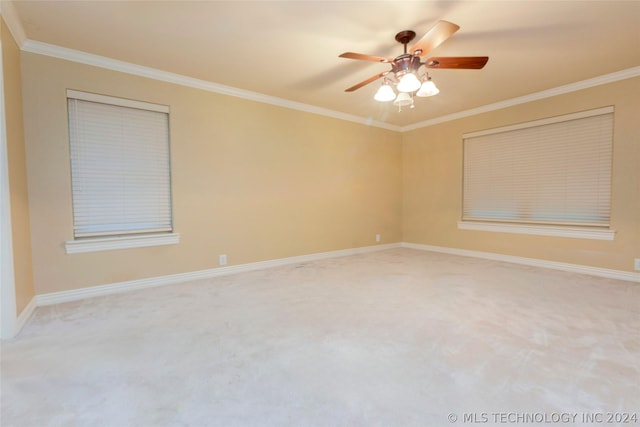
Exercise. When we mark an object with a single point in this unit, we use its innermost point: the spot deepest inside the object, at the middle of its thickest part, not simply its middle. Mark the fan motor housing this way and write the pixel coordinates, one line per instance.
(404, 64)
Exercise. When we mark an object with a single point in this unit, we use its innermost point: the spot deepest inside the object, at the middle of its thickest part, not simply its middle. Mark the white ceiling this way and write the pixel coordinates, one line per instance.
(289, 49)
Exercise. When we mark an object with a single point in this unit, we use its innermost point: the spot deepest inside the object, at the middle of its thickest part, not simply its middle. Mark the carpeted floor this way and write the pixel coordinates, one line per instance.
(392, 338)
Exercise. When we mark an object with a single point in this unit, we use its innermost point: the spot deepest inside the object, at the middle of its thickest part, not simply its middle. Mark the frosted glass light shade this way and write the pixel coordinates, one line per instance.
(409, 83)
(403, 99)
(385, 94)
(428, 88)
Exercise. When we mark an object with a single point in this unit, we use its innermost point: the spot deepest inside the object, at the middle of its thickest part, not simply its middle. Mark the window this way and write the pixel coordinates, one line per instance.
(120, 172)
(551, 172)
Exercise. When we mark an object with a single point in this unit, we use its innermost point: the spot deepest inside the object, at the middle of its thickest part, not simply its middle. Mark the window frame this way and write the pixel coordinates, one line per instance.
(107, 241)
(596, 232)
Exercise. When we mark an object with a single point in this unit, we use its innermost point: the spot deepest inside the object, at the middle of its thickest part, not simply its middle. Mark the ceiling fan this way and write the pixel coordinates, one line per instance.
(404, 68)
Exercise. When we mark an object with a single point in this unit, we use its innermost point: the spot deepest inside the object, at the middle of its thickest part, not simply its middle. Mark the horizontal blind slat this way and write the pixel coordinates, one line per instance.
(120, 169)
(552, 173)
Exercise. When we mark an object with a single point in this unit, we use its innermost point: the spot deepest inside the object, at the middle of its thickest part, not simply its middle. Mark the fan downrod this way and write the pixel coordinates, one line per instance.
(405, 37)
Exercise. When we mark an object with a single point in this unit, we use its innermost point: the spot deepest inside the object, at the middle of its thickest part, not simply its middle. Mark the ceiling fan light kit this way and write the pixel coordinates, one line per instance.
(408, 83)
(404, 99)
(385, 93)
(405, 68)
(428, 88)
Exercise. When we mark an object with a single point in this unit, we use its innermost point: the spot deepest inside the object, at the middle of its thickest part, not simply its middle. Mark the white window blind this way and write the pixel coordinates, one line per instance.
(552, 171)
(120, 166)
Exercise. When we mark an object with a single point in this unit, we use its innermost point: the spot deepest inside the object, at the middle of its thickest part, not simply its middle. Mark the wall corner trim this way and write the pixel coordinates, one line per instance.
(8, 310)
(534, 262)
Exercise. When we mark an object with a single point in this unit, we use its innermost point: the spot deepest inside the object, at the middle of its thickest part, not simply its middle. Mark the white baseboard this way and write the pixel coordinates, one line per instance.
(113, 288)
(573, 268)
(25, 315)
(102, 290)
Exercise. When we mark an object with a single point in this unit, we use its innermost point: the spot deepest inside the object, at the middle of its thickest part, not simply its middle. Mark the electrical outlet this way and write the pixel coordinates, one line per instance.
(636, 264)
(223, 260)
(377, 237)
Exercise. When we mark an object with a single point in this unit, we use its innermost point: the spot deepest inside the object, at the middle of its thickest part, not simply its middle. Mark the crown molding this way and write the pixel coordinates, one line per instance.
(10, 16)
(560, 90)
(73, 55)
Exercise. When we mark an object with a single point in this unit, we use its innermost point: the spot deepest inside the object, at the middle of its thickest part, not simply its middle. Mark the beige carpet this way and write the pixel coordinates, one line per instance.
(392, 338)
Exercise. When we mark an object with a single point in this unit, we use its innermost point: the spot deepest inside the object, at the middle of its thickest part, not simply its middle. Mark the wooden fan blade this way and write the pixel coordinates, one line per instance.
(434, 37)
(367, 81)
(363, 57)
(462, 62)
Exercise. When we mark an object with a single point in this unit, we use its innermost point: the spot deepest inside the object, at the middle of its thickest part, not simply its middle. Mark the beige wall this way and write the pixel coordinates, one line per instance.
(250, 180)
(260, 182)
(21, 235)
(432, 182)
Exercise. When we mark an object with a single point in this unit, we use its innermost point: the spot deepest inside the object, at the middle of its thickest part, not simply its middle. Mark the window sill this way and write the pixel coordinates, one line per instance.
(541, 230)
(121, 242)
